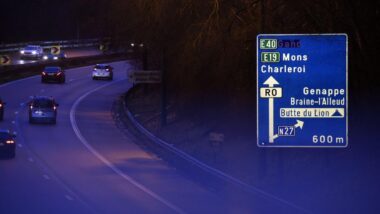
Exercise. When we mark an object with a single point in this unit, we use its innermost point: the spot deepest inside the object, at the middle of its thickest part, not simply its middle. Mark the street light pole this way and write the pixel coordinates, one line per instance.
(145, 57)
(163, 88)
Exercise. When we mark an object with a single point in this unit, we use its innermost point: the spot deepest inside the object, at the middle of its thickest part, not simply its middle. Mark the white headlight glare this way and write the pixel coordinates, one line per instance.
(45, 57)
(34, 52)
(22, 52)
(55, 58)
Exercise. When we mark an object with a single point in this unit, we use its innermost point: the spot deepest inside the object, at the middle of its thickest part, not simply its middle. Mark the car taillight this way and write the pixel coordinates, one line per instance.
(31, 107)
(55, 108)
(10, 142)
(59, 73)
(1, 105)
(43, 73)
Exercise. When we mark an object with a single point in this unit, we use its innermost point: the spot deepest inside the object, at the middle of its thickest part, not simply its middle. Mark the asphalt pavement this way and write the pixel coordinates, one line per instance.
(86, 164)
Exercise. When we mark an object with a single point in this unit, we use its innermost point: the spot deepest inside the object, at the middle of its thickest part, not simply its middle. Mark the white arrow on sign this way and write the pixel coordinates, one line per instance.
(299, 124)
(271, 82)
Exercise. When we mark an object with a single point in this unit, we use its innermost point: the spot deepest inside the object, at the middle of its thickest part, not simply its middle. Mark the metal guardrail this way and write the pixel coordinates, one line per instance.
(203, 166)
(48, 44)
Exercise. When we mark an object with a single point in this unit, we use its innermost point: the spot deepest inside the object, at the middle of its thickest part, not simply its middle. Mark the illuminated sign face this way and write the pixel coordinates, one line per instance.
(302, 92)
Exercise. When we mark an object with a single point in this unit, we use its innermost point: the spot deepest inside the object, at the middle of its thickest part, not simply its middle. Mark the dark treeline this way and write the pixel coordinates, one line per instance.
(210, 44)
(39, 20)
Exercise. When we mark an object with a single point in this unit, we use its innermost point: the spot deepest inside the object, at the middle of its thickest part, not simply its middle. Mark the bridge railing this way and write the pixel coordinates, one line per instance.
(48, 44)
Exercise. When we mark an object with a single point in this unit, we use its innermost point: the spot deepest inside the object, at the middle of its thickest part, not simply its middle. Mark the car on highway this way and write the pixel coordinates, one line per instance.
(7, 143)
(53, 57)
(102, 71)
(43, 109)
(53, 74)
(32, 52)
(1, 109)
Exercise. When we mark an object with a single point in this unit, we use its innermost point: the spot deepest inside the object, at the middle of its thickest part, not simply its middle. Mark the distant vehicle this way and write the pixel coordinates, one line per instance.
(102, 71)
(32, 52)
(1, 109)
(49, 57)
(7, 143)
(53, 74)
(43, 109)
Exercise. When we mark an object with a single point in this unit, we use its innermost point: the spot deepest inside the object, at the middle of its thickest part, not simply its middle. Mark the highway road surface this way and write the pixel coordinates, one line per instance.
(70, 52)
(86, 164)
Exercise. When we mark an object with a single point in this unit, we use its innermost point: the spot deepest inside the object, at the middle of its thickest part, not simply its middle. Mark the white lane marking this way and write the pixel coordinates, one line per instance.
(22, 104)
(107, 162)
(16, 112)
(13, 122)
(47, 177)
(19, 145)
(30, 159)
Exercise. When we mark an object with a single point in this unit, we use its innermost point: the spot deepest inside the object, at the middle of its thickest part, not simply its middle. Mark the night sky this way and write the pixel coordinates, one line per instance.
(24, 20)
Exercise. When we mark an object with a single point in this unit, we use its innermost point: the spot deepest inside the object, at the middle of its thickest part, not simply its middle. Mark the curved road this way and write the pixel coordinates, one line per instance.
(70, 53)
(85, 164)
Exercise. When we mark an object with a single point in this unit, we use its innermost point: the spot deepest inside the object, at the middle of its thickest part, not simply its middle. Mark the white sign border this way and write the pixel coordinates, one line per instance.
(257, 91)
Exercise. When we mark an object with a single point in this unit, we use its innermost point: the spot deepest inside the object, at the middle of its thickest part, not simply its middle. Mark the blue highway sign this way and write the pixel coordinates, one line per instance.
(302, 90)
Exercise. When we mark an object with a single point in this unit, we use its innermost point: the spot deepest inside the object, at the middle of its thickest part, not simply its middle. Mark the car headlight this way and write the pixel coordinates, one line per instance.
(34, 52)
(10, 142)
(22, 52)
(55, 58)
(45, 57)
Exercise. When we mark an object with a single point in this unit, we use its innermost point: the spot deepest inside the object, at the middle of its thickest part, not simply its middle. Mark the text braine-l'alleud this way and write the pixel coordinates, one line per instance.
(320, 97)
(287, 57)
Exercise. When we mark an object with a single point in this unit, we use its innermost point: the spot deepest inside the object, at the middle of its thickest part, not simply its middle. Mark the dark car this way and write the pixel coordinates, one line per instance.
(1, 109)
(53, 74)
(49, 57)
(43, 109)
(7, 143)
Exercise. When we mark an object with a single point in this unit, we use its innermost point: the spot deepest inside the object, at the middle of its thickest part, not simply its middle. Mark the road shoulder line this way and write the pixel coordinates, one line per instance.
(107, 162)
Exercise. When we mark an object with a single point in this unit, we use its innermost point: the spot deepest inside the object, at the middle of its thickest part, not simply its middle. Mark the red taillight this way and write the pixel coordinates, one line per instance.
(43, 73)
(1, 105)
(10, 142)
